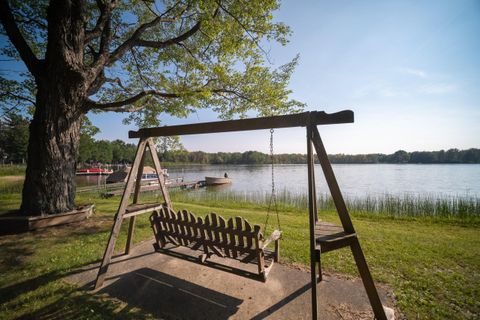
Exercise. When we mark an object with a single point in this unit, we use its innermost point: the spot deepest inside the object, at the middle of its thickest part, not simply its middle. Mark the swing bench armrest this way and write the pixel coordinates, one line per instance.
(273, 237)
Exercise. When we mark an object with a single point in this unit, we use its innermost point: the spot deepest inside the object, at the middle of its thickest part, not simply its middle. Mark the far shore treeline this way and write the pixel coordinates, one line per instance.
(255, 157)
(14, 136)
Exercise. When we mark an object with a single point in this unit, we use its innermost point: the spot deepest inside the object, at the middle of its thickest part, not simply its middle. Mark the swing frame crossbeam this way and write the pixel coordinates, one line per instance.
(343, 236)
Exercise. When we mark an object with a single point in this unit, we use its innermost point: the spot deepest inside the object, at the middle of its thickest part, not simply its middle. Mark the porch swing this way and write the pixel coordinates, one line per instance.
(235, 238)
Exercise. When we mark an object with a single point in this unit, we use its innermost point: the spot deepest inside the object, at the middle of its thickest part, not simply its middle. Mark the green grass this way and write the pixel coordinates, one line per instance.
(12, 170)
(433, 265)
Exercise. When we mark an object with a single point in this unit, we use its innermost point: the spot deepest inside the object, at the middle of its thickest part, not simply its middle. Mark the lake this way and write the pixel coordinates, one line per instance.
(355, 180)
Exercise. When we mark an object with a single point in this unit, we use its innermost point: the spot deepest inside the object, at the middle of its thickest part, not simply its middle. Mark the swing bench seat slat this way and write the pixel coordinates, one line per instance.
(234, 238)
(331, 237)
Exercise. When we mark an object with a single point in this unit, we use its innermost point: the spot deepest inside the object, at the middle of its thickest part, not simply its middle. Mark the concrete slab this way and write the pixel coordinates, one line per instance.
(177, 286)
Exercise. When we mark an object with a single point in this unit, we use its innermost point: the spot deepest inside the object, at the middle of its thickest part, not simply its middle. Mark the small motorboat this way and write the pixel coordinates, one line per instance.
(93, 172)
(213, 181)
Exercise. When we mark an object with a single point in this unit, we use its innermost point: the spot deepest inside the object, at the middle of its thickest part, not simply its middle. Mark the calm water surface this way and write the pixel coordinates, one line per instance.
(355, 180)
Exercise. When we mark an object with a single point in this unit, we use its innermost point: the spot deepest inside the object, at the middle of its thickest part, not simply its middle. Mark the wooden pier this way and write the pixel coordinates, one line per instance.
(114, 189)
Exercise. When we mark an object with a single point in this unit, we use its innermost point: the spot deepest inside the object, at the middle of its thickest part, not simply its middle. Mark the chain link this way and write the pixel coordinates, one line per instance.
(272, 160)
(273, 196)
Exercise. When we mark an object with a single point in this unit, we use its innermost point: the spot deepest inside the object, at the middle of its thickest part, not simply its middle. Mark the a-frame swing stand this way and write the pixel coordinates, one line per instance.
(324, 237)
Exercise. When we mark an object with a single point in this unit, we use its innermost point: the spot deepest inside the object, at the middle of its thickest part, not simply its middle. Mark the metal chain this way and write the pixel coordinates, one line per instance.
(273, 196)
(272, 161)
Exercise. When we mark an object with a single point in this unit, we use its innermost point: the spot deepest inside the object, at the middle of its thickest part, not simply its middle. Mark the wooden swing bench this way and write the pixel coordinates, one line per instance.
(236, 238)
(213, 235)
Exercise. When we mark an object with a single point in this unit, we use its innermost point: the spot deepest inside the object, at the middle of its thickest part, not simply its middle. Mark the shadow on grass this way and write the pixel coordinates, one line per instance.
(75, 305)
(13, 253)
(11, 292)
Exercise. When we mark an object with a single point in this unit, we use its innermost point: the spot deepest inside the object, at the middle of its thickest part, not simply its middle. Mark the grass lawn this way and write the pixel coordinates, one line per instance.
(433, 266)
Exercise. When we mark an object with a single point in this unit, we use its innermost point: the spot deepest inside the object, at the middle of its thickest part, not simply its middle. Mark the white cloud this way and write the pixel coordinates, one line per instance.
(414, 72)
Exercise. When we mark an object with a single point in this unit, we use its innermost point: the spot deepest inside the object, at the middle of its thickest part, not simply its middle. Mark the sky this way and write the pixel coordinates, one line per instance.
(410, 71)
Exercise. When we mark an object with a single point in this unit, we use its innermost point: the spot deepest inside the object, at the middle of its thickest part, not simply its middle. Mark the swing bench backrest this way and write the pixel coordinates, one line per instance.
(234, 238)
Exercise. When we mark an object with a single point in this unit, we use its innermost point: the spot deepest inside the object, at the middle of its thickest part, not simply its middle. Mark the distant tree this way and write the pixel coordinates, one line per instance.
(87, 142)
(102, 152)
(400, 156)
(471, 156)
(254, 157)
(452, 156)
(14, 137)
(122, 152)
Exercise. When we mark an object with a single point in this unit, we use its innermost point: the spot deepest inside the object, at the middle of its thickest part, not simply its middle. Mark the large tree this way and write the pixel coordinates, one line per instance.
(145, 57)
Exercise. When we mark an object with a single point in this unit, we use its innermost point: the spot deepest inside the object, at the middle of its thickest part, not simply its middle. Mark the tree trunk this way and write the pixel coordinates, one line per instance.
(62, 87)
(53, 146)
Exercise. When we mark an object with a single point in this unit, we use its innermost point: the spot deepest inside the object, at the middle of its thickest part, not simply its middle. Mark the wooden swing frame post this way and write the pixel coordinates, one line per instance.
(321, 237)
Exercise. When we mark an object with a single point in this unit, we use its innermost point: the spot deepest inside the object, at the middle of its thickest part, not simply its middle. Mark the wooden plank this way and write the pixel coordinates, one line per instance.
(169, 228)
(332, 182)
(176, 226)
(107, 256)
(184, 226)
(135, 210)
(239, 227)
(285, 121)
(260, 254)
(368, 281)
(248, 230)
(157, 228)
(136, 192)
(131, 228)
(311, 218)
(188, 225)
(138, 179)
(231, 235)
(215, 227)
(203, 234)
(225, 236)
(158, 168)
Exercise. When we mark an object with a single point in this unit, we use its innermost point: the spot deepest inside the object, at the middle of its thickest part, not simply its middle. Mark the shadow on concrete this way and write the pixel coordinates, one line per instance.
(212, 264)
(277, 306)
(169, 297)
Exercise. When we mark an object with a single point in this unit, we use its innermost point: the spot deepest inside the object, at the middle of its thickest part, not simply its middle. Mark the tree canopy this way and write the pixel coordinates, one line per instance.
(153, 57)
(144, 57)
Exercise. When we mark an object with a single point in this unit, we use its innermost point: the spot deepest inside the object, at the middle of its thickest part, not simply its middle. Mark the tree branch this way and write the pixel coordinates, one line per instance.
(119, 106)
(114, 106)
(15, 36)
(169, 42)
(135, 40)
(18, 97)
(105, 12)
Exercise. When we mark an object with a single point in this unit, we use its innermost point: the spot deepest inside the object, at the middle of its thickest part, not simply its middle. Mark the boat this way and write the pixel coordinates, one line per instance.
(93, 172)
(213, 181)
(149, 175)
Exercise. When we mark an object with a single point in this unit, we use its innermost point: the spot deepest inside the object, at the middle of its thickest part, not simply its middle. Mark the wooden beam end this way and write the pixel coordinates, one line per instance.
(133, 134)
(321, 117)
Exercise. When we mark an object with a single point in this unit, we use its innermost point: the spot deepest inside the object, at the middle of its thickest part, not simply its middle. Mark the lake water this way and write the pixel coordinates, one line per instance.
(355, 180)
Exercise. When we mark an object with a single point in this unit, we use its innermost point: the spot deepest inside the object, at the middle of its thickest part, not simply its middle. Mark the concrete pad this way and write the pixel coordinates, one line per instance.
(177, 286)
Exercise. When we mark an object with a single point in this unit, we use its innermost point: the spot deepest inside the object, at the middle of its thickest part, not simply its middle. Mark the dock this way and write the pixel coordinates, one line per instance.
(114, 189)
